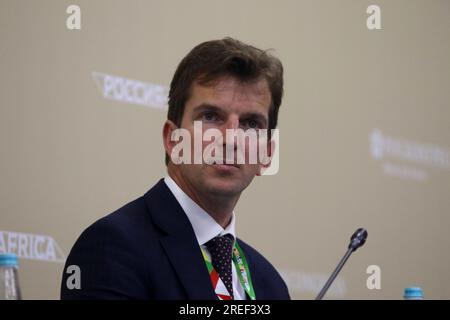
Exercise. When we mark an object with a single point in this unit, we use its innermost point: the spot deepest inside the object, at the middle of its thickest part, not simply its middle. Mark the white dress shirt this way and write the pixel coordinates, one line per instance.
(205, 228)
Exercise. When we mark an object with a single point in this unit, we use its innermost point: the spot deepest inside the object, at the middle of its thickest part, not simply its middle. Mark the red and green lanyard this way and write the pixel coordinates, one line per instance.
(242, 270)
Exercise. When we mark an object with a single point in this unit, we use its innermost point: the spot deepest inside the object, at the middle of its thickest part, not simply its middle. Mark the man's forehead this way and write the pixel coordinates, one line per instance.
(230, 89)
(227, 83)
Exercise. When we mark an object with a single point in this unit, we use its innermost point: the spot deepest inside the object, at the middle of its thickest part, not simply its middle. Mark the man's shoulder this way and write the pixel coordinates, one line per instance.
(131, 217)
(135, 224)
(121, 227)
(132, 214)
(111, 246)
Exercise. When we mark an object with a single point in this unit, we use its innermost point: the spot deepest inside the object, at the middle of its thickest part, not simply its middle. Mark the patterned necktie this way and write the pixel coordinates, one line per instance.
(221, 249)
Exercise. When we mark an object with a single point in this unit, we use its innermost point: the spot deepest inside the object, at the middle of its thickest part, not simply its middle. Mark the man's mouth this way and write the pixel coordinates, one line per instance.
(225, 165)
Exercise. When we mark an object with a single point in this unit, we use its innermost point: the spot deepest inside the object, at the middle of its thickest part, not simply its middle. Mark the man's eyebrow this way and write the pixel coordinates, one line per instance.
(206, 107)
(248, 115)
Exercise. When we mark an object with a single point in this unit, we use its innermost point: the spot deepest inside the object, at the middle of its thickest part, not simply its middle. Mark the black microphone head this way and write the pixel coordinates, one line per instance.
(358, 239)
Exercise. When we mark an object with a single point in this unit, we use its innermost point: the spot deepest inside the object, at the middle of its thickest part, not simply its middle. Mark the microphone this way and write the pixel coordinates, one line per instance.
(357, 240)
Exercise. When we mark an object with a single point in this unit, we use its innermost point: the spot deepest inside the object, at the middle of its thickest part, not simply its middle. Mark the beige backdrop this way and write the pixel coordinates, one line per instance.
(364, 132)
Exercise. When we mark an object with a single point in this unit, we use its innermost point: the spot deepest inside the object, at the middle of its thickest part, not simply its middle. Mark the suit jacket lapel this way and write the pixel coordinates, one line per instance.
(179, 242)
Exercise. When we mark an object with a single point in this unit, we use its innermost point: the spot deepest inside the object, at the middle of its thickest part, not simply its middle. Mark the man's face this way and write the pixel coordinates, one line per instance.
(224, 104)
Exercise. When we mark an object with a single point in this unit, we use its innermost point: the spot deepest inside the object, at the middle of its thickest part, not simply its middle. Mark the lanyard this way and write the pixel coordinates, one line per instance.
(243, 271)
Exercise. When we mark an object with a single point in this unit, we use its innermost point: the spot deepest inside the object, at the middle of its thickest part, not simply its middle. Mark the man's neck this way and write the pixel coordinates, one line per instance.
(219, 208)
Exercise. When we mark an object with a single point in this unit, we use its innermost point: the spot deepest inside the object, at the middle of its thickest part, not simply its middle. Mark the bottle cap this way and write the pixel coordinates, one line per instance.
(413, 293)
(8, 260)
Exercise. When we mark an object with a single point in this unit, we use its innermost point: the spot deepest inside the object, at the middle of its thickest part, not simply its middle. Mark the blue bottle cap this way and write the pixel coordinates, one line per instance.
(8, 260)
(413, 293)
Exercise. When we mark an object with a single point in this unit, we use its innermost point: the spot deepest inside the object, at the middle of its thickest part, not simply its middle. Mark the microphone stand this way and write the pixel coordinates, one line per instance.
(357, 240)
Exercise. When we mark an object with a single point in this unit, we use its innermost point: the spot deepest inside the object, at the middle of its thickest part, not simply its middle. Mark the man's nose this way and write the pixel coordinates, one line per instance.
(232, 123)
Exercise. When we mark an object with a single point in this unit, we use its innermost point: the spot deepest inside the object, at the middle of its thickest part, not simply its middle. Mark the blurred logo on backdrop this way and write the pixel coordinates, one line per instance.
(303, 282)
(31, 246)
(131, 91)
(387, 149)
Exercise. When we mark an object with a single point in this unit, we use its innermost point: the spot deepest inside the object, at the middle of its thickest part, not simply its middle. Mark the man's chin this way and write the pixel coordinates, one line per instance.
(224, 186)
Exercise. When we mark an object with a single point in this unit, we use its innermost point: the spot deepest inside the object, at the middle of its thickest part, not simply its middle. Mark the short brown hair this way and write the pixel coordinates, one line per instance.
(211, 60)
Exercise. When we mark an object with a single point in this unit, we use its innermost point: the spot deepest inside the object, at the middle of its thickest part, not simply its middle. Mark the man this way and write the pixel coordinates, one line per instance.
(178, 240)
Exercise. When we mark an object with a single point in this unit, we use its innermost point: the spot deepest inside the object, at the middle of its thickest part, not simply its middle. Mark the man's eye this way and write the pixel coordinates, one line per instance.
(209, 116)
(252, 124)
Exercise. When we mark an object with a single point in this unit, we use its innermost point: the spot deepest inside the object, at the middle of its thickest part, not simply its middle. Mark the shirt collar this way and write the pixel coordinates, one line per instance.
(205, 227)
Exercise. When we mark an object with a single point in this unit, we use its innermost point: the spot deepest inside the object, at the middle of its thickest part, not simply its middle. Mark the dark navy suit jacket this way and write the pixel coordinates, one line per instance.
(148, 250)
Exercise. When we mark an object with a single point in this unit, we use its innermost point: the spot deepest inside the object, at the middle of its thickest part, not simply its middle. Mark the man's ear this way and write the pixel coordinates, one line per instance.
(270, 152)
(168, 128)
